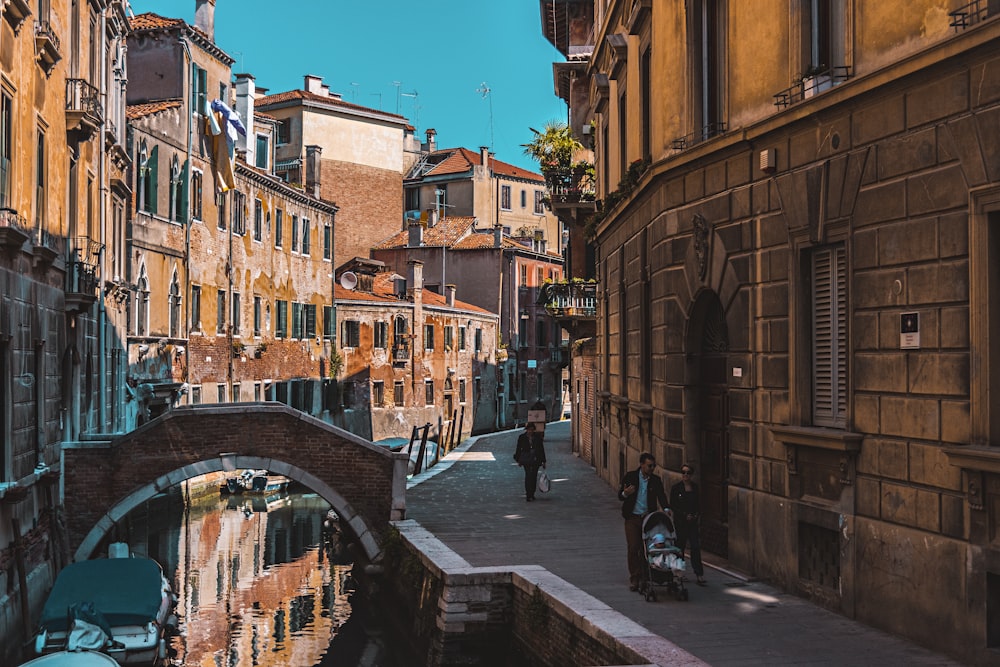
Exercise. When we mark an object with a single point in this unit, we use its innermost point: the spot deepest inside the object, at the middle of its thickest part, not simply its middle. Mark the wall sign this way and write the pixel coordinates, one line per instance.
(909, 331)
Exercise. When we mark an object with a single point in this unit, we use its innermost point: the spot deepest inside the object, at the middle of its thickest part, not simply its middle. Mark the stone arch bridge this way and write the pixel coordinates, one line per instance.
(365, 484)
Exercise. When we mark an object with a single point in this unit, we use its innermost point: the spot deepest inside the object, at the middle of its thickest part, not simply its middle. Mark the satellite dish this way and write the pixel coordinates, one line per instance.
(348, 280)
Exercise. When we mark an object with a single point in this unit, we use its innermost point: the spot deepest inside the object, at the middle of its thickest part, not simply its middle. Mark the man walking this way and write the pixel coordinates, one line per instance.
(641, 492)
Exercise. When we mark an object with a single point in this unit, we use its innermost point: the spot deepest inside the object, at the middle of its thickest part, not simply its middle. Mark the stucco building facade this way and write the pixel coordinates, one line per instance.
(796, 222)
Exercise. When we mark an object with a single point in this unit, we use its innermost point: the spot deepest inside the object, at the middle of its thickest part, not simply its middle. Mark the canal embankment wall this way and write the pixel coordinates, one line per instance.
(456, 614)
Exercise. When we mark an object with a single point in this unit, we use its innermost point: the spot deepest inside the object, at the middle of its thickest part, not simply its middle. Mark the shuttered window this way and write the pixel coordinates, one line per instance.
(829, 328)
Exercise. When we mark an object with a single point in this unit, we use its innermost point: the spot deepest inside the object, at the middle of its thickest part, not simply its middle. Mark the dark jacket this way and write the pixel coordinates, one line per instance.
(685, 502)
(655, 496)
(526, 444)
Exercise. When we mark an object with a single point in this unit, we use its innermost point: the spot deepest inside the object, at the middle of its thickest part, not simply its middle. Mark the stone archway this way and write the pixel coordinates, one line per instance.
(364, 483)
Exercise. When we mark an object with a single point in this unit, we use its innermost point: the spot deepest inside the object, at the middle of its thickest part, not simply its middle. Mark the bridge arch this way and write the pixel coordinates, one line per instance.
(365, 484)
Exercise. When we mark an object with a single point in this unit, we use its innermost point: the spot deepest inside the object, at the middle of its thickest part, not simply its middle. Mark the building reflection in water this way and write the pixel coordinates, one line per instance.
(260, 580)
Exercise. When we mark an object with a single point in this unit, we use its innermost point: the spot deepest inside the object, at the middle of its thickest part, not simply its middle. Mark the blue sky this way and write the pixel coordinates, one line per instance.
(442, 50)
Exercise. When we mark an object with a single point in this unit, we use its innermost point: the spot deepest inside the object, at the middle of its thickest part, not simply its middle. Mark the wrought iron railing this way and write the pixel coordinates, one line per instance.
(972, 13)
(569, 186)
(569, 299)
(83, 97)
(44, 31)
(401, 350)
(698, 136)
(811, 85)
(81, 272)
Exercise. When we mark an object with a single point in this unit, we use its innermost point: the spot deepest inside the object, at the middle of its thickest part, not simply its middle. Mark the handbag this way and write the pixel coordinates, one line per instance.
(543, 481)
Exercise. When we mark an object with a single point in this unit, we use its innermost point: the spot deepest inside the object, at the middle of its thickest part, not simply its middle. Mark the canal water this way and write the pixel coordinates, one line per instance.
(260, 580)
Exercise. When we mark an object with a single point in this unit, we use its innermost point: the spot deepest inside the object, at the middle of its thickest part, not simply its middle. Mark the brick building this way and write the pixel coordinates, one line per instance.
(796, 279)
(502, 275)
(233, 271)
(63, 197)
(413, 357)
(345, 153)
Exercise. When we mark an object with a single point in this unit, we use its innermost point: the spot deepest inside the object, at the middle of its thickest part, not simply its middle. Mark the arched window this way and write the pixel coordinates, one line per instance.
(176, 191)
(174, 304)
(146, 185)
(142, 304)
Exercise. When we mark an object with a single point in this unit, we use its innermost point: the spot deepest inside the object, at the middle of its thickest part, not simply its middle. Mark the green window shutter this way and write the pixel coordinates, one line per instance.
(152, 178)
(183, 216)
(829, 329)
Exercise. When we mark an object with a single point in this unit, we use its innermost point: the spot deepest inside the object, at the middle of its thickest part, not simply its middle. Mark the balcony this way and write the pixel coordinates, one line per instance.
(46, 247)
(559, 357)
(13, 229)
(81, 274)
(83, 109)
(46, 46)
(812, 84)
(569, 299)
(401, 352)
(571, 188)
(16, 11)
(970, 14)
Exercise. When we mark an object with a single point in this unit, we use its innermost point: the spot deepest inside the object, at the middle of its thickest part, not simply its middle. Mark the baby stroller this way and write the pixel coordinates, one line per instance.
(664, 560)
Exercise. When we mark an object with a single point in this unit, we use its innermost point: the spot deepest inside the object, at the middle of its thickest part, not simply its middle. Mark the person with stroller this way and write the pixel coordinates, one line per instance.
(641, 492)
(687, 514)
(530, 455)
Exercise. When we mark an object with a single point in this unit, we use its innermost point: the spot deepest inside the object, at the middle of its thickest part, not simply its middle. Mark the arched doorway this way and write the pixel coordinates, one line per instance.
(709, 345)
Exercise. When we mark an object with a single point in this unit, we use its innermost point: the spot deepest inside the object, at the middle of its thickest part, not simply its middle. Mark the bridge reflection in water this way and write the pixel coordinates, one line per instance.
(260, 580)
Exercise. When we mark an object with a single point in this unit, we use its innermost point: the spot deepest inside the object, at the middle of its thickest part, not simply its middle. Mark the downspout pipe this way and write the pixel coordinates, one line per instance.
(186, 76)
(102, 342)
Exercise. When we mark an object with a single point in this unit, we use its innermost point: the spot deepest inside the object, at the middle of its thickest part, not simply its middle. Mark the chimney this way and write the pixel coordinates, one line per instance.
(204, 17)
(245, 94)
(416, 230)
(497, 236)
(432, 217)
(313, 180)
(484, 156)
(449, 295)
(431, 144)
(314, 84)
(415, 283)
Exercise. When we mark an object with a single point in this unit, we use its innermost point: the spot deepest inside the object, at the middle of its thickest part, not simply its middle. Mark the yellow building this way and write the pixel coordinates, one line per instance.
(795, 247)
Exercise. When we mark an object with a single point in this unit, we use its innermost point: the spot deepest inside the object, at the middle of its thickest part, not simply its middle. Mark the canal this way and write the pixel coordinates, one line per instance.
(261, 580)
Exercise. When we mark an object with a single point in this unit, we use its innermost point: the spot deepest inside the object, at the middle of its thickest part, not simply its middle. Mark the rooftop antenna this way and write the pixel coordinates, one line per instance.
(354, 91)
(486, 91)
(379, 95)
(397, 84)
(416, 107)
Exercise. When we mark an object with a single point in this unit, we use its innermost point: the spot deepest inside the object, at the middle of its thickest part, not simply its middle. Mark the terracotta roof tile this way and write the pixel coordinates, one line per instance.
(304, 95)
(151, 21)
(383, 290)
(447, 232)
(461, 160)
(134, 111)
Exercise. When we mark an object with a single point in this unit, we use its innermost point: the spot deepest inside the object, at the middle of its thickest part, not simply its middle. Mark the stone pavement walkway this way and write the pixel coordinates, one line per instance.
(473, 501)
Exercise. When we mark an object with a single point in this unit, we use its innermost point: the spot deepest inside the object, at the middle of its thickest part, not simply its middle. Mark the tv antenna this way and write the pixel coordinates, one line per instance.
(354, 91)
(397, 84)
(486, 91)
(416, 107)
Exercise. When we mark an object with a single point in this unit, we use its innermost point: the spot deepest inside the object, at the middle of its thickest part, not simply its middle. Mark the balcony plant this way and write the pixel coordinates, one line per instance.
(554, 147)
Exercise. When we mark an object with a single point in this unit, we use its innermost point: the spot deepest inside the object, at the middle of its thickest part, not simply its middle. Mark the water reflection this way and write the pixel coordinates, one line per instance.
(260, 580)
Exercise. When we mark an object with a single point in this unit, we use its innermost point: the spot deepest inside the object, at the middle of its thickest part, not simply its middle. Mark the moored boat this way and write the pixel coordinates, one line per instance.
(123, 607)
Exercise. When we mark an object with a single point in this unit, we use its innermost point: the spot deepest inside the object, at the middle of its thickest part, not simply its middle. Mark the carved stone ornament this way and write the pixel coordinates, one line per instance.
(701, 230)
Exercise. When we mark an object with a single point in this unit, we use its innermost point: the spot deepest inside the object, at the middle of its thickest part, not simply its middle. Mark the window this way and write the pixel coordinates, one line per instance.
(539, 202)
(305, 236)
(539, 276)
(196, 307)
(623, 134)
(309, 313)
(505, 197)
(461, 338)
(295, 233)
(645, 92)
(524, 198)
(449, 335)
(220, 312)
(428, 392)
(352, 333)
(257, 315)
(428, 336)
(829, 335)
(178, 178)
(237, 393)
(279, 227)
(381, 340)
(220, 202)
(239, 213)
(146, 185)
(256, 391)
(296, 320)
(479, 340)
(261, 157)
(199, 89)
(397, 392)
(196, 395)
(222, 393)
(196, 194)
(6, 146)
(174, 306)
(708, 30)
(523, 270)
(541, 333)
(378, 393)
(284, 131)
(258, 220)
(461, 390)
(281, 319)
(477, 388)
(522, 332)
(412, 196)
(328, 322)
(236, 313)
(142, 304)
(41, 178)
(327, 241)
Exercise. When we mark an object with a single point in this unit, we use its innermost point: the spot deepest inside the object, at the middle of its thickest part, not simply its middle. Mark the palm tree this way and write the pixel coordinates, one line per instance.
(554, 147)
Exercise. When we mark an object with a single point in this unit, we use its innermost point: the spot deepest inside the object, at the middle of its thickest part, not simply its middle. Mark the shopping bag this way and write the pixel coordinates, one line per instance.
(543, 481)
